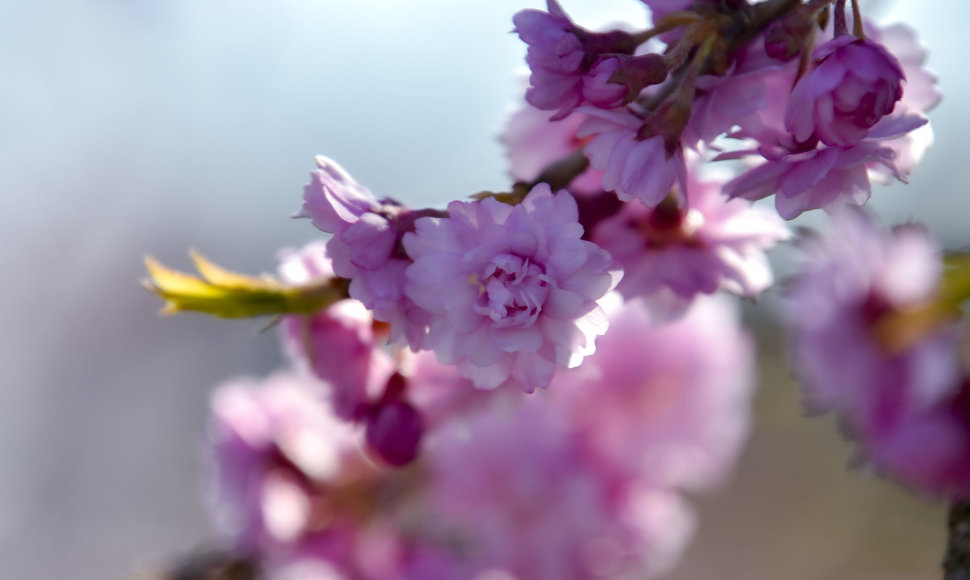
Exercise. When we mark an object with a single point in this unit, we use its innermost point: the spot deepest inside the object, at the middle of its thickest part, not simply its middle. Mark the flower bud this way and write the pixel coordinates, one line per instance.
(854, 83)
(618, 79)
(394, 431)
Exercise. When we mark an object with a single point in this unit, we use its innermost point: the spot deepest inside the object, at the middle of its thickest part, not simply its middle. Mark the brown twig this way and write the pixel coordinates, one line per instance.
(956, 562)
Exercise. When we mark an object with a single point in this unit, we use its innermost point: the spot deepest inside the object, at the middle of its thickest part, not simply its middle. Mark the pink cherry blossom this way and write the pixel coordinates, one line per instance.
(366, 232)
(511, 290)
(634, 168)
(721, 102)
(616, 79)
(920, 94)
(851, 279)
(294, 491)
(533, 142)
(547, 510)
(271, 441)
(852, 85)
(822, 177)
(667, 403)
(740, 97)
(560, 54)
(555, 55)
(811, 174)
(338, 344)
(597, 88)
(673, 253)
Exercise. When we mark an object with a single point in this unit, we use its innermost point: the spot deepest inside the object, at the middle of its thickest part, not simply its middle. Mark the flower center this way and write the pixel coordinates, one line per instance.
(511, 290)
(669, 224)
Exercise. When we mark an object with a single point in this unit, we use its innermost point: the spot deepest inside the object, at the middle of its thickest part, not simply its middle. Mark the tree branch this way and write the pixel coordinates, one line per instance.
(956, 562)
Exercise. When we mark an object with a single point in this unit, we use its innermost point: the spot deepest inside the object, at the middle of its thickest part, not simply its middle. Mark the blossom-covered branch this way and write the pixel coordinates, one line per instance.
(529, 380)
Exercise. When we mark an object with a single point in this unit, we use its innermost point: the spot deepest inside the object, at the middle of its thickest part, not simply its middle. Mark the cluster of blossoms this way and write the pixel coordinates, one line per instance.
(547, 487)
(401, 445)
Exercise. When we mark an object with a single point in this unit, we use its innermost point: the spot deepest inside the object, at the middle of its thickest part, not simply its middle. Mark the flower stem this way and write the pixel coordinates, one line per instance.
(841, 26)
(956, 562)
(857, 30)
(667, 23)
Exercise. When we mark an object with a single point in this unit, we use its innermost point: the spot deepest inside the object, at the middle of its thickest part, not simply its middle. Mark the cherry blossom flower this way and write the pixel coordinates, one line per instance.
(746, 91)
(816, 177)
(634, 168)
(395, 428)
(546, 511)
(271, 441)
(672, 402)
(560, 54)
(671, 253)
(507, 485)
(295, 492)
(511, 290)
(817, 153)
(533, 142)
(920, 95)
(854, 83)
(366, 232)
(887, 397)
(597, 88)
(555, 55)
(338, 344)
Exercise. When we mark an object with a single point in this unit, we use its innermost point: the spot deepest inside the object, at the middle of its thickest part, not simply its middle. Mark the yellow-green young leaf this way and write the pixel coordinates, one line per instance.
(219, 276)
(902, 328)
(220, 292)
(955, 286)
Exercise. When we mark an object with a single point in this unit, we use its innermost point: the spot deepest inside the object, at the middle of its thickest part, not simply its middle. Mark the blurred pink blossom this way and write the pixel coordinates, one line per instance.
(561, 515)
(669, 404)
(890, 401)
(338, 344)
(533, 142)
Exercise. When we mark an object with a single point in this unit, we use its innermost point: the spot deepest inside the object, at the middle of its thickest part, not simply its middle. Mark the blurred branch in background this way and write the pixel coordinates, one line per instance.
(956, 563)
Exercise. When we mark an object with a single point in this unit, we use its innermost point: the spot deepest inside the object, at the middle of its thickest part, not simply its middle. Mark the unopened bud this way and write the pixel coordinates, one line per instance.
(618, 79)
(599, 88)
(394, 431)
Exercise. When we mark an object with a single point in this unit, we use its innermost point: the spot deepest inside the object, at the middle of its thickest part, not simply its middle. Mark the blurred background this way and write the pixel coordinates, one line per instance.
(145, 126)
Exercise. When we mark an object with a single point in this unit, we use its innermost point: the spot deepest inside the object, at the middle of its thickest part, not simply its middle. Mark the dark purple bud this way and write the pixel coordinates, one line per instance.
(394, 431)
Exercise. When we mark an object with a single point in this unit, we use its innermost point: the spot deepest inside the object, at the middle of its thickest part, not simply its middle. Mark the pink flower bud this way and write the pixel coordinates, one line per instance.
(854, 84)
(618, 79)
(600, 89)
